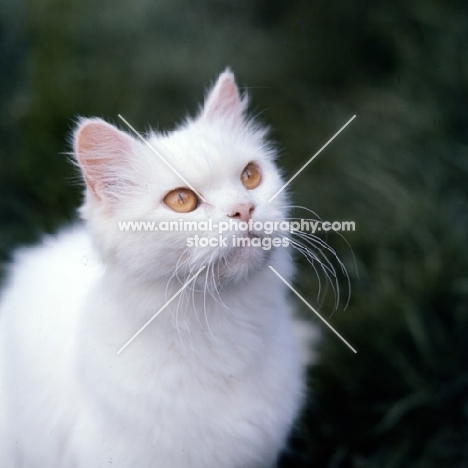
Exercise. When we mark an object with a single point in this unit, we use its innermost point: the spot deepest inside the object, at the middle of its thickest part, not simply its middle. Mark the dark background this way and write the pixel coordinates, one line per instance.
(399, 171)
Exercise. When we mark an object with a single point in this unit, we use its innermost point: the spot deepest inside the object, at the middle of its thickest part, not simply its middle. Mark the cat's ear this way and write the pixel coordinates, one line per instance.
(103, 153)
(224, 100)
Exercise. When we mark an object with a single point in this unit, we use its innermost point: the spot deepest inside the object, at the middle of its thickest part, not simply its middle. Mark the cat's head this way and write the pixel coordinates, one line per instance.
(216, 167)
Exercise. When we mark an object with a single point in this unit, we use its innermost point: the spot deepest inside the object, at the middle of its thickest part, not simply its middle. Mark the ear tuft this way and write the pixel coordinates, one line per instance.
(224, 100)
(102, 152)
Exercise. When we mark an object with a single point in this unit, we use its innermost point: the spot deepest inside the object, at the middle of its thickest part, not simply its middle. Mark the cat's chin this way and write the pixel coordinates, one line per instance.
(239, 264)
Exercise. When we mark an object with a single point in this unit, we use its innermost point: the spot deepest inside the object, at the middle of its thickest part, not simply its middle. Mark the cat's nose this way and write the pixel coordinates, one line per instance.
(242, 211)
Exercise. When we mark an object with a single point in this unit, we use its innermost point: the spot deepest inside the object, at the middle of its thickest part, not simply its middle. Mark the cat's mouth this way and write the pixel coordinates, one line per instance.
(234, 257)
(246, 248)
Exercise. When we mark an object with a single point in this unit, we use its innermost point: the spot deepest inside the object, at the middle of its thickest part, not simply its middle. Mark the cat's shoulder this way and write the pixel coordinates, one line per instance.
(68, 254)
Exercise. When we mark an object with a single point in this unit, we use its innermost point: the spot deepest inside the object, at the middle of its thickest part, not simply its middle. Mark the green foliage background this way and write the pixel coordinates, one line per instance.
(399, 171)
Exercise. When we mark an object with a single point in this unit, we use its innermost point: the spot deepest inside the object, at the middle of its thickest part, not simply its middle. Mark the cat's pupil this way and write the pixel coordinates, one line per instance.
(251, 176)
(182, 200)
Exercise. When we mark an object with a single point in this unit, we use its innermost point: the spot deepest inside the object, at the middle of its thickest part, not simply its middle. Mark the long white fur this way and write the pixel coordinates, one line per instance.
(215, 381)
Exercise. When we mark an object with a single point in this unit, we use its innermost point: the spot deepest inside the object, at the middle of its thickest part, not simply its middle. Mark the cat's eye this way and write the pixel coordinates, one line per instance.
(251, 176)
(182, 200)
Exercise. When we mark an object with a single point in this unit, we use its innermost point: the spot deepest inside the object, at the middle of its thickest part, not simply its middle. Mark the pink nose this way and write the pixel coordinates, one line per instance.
(242, 211)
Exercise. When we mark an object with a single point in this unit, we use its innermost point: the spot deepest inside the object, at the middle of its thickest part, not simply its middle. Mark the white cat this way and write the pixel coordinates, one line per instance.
(215, 380)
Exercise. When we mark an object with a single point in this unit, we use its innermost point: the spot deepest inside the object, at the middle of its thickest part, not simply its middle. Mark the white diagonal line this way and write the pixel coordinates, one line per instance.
(161, 309)
(311, 308)
(312, 158)
(161, 157)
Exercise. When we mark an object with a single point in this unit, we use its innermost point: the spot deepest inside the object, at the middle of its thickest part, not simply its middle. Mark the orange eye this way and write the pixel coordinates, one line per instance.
(182, 200)
(251, 176)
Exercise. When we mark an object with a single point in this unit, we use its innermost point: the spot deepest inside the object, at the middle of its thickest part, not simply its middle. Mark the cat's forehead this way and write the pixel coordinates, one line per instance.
(200, 152)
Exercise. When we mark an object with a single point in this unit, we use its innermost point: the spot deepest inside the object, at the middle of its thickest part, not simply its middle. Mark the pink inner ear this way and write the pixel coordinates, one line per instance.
(228, 96)
(224, 99)
(101, 149)
(94, 137)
